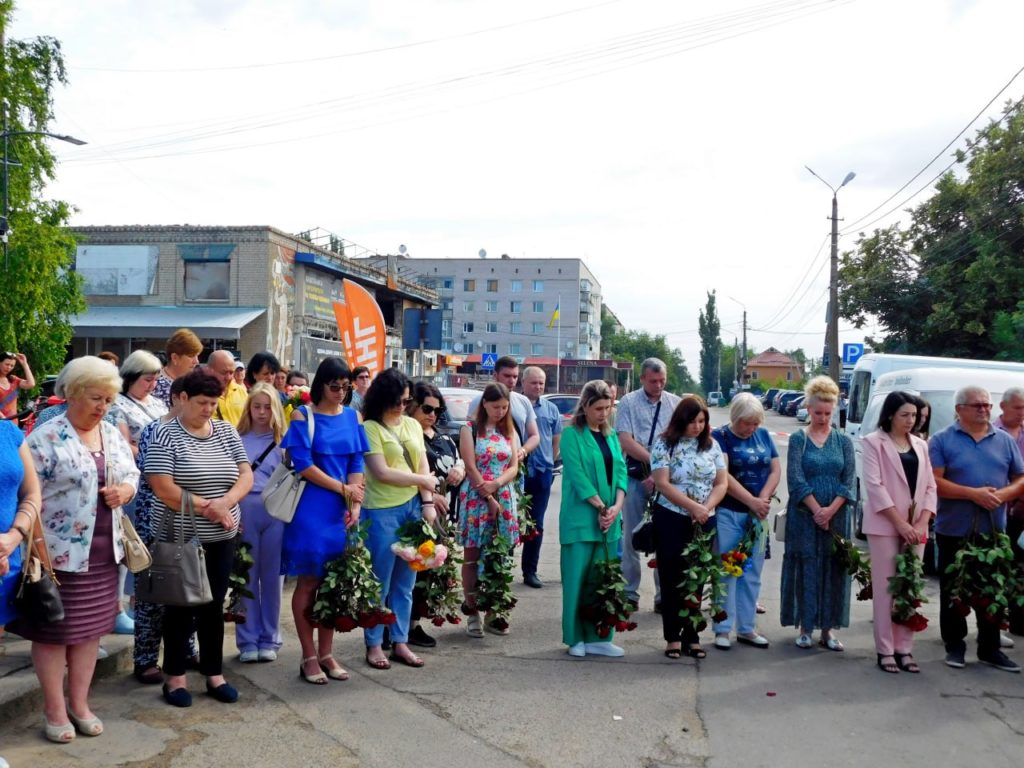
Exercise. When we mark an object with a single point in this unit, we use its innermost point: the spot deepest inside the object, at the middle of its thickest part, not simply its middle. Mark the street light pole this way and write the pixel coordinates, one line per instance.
(743, 354)
(832, 334)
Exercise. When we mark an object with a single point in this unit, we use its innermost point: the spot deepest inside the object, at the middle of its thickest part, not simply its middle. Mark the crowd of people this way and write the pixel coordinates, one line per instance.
(184, 450)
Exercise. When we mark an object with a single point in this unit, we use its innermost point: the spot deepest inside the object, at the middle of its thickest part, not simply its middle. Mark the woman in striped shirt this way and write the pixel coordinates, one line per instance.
(203, 457)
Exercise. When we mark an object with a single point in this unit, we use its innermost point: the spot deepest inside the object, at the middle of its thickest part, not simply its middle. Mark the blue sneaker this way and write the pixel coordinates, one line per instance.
(124, 625)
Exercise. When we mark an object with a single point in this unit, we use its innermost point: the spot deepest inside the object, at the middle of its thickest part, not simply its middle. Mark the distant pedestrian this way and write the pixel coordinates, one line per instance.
(900, 502)
(540, 468)
(182, 355)
(11, 385)
(820, 474)
(360, 384)
(978, 468)
(643, 414)
(922, 428)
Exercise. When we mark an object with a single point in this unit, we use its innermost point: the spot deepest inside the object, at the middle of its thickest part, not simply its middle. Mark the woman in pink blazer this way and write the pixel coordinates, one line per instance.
(897, 475)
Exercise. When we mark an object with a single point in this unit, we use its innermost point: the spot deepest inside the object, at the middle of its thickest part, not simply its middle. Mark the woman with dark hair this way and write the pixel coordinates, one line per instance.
(399, 490)
(11, 385)
(446, 465)
(593, 492)
(924, 418)
(325, 443)
(900, 501)
(202, 459)
(689, 472)
(263, 366)
(490, 448)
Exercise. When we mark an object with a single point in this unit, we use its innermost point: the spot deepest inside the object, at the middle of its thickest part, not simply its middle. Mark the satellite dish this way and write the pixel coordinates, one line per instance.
(480, 344)
(457, 346)
(482, 254)
(402, 249)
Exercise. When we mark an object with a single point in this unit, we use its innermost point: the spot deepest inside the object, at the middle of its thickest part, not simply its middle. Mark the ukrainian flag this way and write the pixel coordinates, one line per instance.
(554, 317)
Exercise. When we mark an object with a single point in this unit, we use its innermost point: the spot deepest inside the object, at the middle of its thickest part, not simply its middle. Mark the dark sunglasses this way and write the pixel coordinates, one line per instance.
(407, 401)
(339, 387)
(429, 409)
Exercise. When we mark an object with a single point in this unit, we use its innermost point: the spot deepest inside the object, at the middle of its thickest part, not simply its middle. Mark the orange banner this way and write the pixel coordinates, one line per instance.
(362, 329)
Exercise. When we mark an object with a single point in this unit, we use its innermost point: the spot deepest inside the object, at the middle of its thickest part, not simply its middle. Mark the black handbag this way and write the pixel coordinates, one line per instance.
(641, 470)
(37, 598)
(178, 574)
(642, 536)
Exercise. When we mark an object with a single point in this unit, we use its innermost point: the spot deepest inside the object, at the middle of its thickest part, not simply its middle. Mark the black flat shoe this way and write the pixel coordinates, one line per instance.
(179, 697)
(418, 636)
(892, 667)
(532, 580)
(224, 692)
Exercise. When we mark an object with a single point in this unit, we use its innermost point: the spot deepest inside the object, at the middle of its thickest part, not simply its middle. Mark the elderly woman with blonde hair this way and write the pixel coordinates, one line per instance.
(754, 473)
(86, 472)
(820, 474)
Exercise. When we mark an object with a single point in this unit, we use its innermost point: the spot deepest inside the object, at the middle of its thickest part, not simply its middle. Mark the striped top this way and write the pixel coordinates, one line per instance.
(205, 466)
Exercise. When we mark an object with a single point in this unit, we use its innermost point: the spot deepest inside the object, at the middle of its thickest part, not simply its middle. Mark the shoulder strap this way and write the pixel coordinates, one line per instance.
(310, 424)
(405, 451)
(654, 425)
(262, 456)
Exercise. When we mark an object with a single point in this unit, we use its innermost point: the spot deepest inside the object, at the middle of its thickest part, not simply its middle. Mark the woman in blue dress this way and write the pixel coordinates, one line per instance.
(20, 499)
(820, 474)
(326, 442)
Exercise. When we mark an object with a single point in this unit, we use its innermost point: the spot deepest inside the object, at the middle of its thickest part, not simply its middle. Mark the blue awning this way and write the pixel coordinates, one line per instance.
(160, 322)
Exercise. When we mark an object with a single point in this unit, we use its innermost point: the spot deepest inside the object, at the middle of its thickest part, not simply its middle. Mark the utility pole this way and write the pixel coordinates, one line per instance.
(832, 331)
(736, 363)
(743, 354)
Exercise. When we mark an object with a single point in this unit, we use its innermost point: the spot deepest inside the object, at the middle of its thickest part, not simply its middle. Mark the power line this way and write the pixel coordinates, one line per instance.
(799, 282)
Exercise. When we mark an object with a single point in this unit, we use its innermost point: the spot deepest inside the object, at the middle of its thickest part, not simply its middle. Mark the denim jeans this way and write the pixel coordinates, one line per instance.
(396, 578)
(538, 486)
(741, 592)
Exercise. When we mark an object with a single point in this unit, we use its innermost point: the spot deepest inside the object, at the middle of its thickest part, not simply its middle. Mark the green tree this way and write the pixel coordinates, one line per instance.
(637, 346)
(730, 368)
(710, 344)
(41, 290)
(950, 282)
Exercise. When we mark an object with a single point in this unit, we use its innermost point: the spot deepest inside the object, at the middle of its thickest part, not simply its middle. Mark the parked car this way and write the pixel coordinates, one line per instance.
(792, 406)
(785, 399)
(767, 397)
(456, 413)
(566, 405)
(778, 398)
(801, 414)
(714, 399)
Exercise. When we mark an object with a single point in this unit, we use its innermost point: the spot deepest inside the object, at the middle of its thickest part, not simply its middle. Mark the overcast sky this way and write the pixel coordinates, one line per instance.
(663, 142)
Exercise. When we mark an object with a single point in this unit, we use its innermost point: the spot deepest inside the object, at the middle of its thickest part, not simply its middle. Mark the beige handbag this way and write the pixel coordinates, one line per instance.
(136, 554)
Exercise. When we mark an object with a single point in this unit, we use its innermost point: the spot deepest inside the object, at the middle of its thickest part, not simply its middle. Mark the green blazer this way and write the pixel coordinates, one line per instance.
(583, 475)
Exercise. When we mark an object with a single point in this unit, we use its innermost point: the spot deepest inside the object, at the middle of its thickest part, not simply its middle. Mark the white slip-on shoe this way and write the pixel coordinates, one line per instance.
(722, 642)
(579, 650)
(604, 649)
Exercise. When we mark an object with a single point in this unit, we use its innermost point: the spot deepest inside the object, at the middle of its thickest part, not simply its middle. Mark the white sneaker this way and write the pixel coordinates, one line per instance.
(579, 650)
(604, 649)
(101, 653)
(248, 657)
(267, 654)
(722, 642)
(1005, 641)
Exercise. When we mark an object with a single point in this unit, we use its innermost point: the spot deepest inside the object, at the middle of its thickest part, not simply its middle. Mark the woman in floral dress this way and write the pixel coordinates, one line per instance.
(489, 447)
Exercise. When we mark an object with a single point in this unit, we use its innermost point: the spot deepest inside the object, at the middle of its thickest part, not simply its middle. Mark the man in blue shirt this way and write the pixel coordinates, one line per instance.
(540, 468)
(978, 468)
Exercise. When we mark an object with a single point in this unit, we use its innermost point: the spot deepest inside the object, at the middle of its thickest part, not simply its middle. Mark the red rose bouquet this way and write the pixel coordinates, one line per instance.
(907, 586)
(855, 563)
(299, 396)
(986, 578)
(238, 583)
(702, 579)
(608, 607)
(349, 595)
(437, 595)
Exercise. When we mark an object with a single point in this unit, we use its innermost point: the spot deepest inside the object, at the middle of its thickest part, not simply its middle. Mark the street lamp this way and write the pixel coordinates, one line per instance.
(832, 334)
(7, 135)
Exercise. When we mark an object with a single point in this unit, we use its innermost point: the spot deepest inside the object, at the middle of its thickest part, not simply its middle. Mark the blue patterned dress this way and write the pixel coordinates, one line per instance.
(815, 588)
(12, 472)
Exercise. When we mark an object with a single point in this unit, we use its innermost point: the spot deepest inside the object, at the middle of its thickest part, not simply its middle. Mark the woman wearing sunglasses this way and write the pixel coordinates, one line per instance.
(444, 462)
(332, 464)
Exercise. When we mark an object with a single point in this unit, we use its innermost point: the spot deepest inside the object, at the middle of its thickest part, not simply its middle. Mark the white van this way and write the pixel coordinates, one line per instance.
(872, 366)
(938, 386)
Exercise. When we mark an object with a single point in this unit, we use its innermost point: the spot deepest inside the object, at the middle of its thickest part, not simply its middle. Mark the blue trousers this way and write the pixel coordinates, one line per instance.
(262, 628)
(538, 487)
(396, 578)
(741, 592)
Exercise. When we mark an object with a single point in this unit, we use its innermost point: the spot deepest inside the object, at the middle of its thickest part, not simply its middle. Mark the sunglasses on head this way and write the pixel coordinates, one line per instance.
(339, 387)
(429, 409)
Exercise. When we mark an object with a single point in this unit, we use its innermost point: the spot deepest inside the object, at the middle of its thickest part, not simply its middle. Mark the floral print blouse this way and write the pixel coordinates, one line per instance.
(67, 474)
(690, 471)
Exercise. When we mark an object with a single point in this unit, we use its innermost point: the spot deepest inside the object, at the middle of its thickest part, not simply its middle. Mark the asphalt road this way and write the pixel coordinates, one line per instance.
(521, 701)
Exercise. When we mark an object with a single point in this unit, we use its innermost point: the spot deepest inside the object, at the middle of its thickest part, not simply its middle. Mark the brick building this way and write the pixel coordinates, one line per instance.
(771, 366)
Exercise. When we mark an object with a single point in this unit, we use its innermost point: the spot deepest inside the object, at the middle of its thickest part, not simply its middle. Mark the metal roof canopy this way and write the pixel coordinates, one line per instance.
(160, 322)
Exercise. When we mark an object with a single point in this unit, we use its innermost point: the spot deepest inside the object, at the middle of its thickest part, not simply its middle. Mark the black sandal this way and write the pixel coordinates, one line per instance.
(696, 652)
(907, 666)
(891, 667)
(674, 653)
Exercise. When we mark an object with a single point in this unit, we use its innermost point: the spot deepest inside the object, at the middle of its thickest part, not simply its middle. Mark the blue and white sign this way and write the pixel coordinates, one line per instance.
(487, 361)
(852, 353)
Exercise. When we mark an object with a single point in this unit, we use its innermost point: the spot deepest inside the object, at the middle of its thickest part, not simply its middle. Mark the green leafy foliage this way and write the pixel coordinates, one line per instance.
(907, 590)
(855, 563)
(494, 580)
(607, 605)
(710, 328)
(637, 346)
(986, 578)
(238, 582)
(350, 594)
(702, 580)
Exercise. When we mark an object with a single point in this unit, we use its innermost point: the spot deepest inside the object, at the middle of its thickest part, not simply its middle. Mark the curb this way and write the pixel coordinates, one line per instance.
(20, 694)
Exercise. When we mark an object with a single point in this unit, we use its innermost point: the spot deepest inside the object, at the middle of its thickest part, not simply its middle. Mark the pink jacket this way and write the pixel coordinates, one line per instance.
(885, 483)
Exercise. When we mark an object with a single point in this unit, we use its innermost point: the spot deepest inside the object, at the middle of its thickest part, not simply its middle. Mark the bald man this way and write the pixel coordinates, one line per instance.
(231, 404)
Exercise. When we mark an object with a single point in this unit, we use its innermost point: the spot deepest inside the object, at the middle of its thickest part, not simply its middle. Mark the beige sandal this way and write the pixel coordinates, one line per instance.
(474, 626)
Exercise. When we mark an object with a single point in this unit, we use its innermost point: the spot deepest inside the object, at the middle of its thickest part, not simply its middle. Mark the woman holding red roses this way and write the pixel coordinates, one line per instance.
(901, 500)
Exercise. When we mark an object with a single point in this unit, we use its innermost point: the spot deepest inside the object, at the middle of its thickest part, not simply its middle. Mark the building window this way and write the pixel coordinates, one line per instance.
(516, 326)
(448, 282)
(515, 307)
(492, 327)
(469, 285)
(446, 328)
(753, 375)
(447, 305)
(789, 375)
(515, 349)
(537, 328)
(536, 349)
(538, 306)
(538, 286)
(517, 286)
(492, 306)
(492, 348)
(207, 280)
(467, 327)
(467, 306)
(492, 286)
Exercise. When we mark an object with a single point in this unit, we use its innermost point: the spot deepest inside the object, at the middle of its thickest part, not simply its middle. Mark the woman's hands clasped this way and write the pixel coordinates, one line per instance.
(608, 515)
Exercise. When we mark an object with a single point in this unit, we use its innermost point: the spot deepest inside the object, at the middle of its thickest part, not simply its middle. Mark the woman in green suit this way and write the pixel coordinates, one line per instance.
(593, 490)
